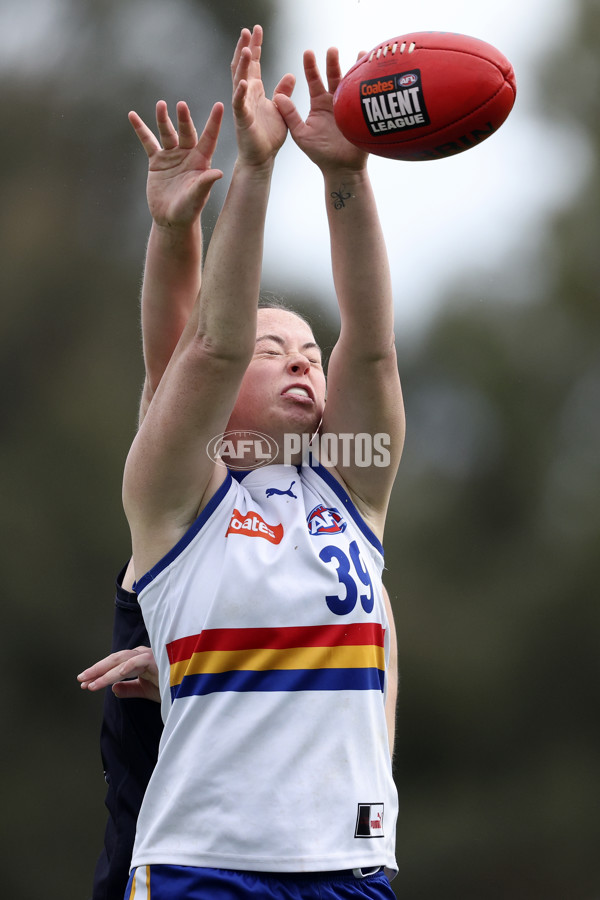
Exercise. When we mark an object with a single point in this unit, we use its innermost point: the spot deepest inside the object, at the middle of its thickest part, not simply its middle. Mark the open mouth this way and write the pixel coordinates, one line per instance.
(300, 391)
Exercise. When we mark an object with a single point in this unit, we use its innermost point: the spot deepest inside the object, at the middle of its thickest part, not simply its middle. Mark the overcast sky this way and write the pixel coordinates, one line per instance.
(475, 209)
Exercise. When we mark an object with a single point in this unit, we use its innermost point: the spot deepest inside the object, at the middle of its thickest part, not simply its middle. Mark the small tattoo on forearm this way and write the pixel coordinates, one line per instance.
(339, 197)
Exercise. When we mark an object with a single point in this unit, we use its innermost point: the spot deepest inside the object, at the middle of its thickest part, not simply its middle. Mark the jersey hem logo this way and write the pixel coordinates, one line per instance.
(369, 821)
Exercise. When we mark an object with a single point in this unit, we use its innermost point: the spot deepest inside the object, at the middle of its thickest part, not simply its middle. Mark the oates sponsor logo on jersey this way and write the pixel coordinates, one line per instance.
(325, 520)
(252, 524)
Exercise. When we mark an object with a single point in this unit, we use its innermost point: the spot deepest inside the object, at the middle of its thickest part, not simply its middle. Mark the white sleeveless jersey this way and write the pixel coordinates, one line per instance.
(269, 627)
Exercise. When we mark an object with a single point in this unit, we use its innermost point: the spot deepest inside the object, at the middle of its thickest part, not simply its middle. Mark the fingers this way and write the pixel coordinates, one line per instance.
(286, 85)
(256, 40)
(104, 665)
(239, 97)
(333, 70)
(166, 129)
(136, 690)
(243, 42)
(242, 71)
(289, 112)
(246, 57)
(210, 135)
(146, 136)
(282, 100)
(313, 77)
(141, 662)
(128, 690)
(118, 666)
(184, 136)
(186, 129)
(132, 673)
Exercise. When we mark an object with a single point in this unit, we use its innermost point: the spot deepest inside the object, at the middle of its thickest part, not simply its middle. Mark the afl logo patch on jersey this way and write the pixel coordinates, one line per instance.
(325, 520)
(252, 524)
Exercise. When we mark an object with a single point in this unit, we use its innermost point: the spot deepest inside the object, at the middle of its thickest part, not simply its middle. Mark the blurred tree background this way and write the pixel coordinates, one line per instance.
(494, 527)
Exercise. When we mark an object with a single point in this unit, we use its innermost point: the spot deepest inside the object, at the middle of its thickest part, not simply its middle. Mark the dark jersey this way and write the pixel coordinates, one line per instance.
(129, 739)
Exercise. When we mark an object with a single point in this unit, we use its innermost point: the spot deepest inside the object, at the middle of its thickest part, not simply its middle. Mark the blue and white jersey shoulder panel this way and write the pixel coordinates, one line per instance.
(187, 538)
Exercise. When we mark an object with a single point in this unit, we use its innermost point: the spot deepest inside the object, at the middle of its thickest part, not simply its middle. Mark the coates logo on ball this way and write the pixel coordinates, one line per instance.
(242, 450)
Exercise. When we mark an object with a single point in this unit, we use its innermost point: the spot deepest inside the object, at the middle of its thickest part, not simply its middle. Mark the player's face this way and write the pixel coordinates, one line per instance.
(283, 389)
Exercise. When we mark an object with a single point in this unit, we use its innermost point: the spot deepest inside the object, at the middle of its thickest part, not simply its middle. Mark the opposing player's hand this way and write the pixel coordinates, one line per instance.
(260, 129)
(132, 673)
(318, 136)
(179, 164)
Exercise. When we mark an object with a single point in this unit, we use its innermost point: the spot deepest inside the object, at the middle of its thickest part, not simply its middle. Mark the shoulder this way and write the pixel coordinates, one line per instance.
(158, 541)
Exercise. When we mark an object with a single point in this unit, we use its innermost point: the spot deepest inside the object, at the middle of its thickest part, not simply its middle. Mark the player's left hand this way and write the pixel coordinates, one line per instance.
(132, 673)
(318, 136)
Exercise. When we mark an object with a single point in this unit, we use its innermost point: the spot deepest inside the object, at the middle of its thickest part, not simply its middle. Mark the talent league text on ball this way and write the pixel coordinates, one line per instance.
(394, 103)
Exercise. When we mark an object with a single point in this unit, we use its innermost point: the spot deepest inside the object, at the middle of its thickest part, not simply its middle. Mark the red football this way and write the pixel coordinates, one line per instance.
(425, 96)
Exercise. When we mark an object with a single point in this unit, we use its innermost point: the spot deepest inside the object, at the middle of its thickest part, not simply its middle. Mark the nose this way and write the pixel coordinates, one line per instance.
(298, 364)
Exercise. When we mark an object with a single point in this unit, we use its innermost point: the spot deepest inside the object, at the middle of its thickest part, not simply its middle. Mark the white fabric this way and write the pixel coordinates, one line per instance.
(287, 769)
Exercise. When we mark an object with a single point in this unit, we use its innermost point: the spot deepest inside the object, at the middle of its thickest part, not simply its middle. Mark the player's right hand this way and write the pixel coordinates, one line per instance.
(180, 175)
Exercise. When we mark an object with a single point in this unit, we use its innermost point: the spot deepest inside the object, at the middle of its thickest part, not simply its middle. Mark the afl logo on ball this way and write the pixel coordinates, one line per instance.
(407, 80)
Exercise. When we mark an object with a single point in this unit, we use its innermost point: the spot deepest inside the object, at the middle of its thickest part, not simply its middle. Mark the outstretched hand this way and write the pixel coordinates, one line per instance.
(318, 136)
(180, 176)
(260, 128)
(132, 673)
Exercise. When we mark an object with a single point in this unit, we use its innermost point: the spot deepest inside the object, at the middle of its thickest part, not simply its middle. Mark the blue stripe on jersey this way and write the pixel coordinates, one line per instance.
(190, 534)
(371, 679)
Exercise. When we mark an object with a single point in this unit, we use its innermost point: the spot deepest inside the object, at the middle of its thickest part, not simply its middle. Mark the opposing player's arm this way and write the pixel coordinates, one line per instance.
(364, 393)
(164, 310)
(133, 674)
(180, 178)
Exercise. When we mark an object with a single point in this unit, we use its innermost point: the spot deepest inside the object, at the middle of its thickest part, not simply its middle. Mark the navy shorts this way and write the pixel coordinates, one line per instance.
(190, 883)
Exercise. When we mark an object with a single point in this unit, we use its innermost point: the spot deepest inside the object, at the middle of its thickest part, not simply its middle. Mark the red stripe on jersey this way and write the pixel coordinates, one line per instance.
(351, 634)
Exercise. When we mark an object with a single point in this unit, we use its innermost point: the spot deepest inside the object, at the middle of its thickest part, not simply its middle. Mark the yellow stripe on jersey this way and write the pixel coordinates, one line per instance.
(213, 661)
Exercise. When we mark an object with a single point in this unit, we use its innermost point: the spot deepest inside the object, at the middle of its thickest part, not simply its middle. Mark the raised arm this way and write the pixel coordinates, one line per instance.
(180, 178)
(168, 475)
(363, 384)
